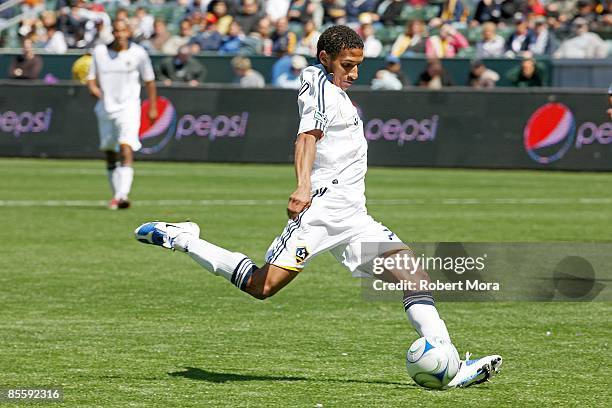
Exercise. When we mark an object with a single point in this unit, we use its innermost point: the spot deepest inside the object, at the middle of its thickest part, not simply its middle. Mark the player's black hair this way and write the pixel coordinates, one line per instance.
(338, 38)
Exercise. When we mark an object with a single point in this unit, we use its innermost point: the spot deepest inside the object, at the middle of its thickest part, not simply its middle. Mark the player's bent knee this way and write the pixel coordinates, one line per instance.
(258, 287)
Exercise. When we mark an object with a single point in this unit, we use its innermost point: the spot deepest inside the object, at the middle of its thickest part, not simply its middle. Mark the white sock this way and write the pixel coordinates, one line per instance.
(233, 266)
(125, 178)
(426, 321)
(112, 179)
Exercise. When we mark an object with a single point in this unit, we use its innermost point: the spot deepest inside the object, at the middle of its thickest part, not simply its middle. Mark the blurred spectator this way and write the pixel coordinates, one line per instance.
(284, 41)
(527, 75)
(482, 77)
(72, 24)
(334, 11)
(391, 76)
(453, 11)
(491, 45)
(446, 44)
(291, 79)
(80, 68)
(181, 68)
(586, 11)
(356, 8)
(390, 11)
(300, 11)
(246, 77)
(307, 45)
(232, 42)
(372, 47)
(512, 9)
(434, 76)
(545, 40)
(84, 27)
(411, 41)
(31, 8)
(97, 26)
(520, 40)
(259, 41)
(122, 14)
(488, 10)
(208, 40)
(159, 37)
(280, 67)
(535, 8)
(53, 41)
(276, 9)
(584, 45)
(142, 25)
(171, 46)
(219, 15)
(249, 15)
(27, 65)
(606, 17)
(195, 6)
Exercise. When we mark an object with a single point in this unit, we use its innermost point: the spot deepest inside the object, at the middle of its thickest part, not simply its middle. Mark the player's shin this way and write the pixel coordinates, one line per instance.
(113, 177)
(424, 316)
(125, 178)
(233, 266)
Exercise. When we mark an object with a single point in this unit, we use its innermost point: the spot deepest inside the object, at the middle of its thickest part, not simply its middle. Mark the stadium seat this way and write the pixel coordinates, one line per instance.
(388, 34)
(410, 13)
(474, 35)
(469, 52)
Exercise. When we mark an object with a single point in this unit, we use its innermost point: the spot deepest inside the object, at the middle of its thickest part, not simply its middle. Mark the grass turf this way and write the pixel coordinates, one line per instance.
(114, 323)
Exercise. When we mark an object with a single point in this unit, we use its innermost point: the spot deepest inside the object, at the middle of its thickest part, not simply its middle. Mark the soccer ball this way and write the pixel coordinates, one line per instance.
(432, 362)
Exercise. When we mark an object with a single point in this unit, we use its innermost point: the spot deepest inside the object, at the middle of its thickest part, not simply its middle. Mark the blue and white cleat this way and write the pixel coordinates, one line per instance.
(165, 234)
(472, 372)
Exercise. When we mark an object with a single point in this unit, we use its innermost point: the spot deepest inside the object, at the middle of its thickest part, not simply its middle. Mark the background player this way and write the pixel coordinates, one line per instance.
(327, 211)
(114, 78)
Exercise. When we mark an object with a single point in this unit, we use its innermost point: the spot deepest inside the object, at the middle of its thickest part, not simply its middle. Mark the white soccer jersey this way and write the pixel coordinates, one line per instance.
(337, 219)
(341, 156)
(119, 75)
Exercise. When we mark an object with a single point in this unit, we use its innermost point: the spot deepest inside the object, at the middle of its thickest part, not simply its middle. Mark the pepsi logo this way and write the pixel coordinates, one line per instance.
(549, 133)
(155, 135)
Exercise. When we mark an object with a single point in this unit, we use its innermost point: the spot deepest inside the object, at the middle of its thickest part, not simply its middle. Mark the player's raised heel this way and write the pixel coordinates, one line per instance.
(476, 371)
(166, 234)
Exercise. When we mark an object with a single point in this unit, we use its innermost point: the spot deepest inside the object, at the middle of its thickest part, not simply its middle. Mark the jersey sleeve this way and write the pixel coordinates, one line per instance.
(145, 68)
(311, 102)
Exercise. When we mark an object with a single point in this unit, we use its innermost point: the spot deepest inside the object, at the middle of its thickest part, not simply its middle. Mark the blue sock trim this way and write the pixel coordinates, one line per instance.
(246, 278)
(242, 273)
(234, 274)
(418, 298)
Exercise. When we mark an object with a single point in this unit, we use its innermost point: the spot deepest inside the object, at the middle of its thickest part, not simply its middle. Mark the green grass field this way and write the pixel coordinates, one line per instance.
(84, 307)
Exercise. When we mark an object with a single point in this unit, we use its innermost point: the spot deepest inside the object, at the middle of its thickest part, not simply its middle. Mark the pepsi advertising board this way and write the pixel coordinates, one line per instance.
(523, 129)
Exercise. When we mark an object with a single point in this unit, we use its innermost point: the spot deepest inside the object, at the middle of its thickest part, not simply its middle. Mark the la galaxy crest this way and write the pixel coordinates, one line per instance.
(301, 253)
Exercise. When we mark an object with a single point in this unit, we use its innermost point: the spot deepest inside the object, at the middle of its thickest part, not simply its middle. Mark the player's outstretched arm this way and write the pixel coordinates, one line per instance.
(305, 149)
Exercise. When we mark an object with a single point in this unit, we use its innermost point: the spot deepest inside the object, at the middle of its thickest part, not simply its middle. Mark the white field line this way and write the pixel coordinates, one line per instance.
(391, 202)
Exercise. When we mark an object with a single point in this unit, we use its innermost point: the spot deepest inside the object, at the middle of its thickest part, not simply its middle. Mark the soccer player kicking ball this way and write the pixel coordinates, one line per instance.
(114, 79)
(327, 211)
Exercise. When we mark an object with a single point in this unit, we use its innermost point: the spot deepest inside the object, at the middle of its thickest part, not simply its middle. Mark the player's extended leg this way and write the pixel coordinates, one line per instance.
(125, 174)
(423, 315)
(237, 268)
(419, 305)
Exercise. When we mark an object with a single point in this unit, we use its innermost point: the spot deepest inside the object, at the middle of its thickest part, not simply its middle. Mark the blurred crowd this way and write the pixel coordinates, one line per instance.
(440, 29)
(436, 29)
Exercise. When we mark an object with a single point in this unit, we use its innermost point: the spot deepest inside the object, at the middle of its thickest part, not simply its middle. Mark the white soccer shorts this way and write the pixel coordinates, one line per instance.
(118, 128)
(330, 224)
